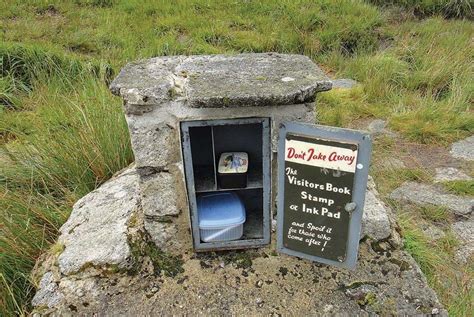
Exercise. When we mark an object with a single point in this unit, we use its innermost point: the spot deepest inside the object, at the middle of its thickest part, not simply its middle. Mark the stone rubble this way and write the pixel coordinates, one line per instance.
(446, 174)
(464, 232)
(375, 219)
(422, 194)
(344, 83)
(90, 280)
(433, 233)
(464, 149)
(377, 126)
(96, 231)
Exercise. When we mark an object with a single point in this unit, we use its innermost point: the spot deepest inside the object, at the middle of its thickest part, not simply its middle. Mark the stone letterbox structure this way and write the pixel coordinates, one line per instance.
(184, 111)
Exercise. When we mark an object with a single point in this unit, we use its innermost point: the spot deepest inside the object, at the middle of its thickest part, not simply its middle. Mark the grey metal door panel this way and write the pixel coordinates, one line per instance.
(322, 179)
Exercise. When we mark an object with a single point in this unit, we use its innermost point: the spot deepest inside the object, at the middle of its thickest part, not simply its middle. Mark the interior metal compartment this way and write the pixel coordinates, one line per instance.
(202, 142)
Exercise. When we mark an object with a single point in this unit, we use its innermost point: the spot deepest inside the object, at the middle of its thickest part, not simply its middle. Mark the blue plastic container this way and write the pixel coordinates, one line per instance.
(221, 216)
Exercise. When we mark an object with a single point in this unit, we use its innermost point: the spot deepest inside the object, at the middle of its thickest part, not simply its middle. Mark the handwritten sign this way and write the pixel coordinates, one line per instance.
(318, 183)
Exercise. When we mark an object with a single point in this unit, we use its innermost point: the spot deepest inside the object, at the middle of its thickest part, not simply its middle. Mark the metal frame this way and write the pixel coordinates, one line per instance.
(191, 192)
(360, 184)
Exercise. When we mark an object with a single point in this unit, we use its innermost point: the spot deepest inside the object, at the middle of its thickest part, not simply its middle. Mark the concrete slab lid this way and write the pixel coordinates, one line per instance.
(261, 79)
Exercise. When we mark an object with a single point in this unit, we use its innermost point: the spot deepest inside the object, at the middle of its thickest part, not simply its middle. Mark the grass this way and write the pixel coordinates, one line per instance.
(425, 8)
(421, 83)
(452, 283)
(64, 136)
(460, 187)
(62, 133)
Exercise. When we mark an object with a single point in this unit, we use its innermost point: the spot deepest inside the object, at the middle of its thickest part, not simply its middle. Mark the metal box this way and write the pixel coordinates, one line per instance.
(203, 141)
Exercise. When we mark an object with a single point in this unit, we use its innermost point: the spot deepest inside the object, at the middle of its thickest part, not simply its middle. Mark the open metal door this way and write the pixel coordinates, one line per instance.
(322, 180)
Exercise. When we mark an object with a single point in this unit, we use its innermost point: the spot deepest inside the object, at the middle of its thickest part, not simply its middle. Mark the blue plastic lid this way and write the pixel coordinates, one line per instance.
(219, 210)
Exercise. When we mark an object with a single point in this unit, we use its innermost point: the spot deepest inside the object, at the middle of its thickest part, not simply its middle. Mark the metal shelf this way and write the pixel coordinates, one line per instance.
(205, 183)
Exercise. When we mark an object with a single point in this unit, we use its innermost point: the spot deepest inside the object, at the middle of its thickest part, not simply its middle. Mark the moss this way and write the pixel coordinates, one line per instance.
(133, 221)
(57, 249)
(370, 299)
(226, 101)
(386, 308)
(173, 93)
(163, 263)
(241, 259)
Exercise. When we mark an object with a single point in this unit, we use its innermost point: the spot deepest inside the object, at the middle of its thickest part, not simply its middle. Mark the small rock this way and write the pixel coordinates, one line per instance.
(393, 163)
(377, 126)
(259, 283)
(259, 302)
(445, 174)
(464, 231)
(96, 232)
(343, 83)
(79, 292)
(328, 308)
(433, 233)
(274, 225)
(464, 149)
(422, 194)
(360, 292)
(375, 221)
(222, 264)
(48, 293)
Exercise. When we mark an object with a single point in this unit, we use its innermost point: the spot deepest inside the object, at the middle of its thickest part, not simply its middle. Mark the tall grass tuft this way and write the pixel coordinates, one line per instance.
(70, 138)
(424, 8)
(23, 65)
(452, 282)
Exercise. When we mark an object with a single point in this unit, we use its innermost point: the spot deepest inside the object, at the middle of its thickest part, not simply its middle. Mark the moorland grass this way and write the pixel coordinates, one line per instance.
(463, 187)
(436, 259)
(62, 133)
(69, 137)
(425, 8)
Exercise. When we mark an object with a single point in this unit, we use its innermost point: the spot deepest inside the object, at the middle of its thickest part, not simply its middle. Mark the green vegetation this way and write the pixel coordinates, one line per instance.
(460, 187)
(435, 214)
(163, 263)
(62, 133)
(436, 259)
(424, 8)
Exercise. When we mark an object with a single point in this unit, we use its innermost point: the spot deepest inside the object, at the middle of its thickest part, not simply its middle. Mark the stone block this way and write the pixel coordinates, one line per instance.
(155, 144)
(163, 234)
(96, 232)
(159, 194)
(375, 220)
(215, 81)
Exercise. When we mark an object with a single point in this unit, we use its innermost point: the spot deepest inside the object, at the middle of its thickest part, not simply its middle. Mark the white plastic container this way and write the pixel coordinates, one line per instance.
(221, 216)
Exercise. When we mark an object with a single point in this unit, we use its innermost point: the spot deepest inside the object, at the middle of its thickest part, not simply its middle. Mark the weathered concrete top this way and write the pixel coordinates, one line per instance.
(213, 81)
